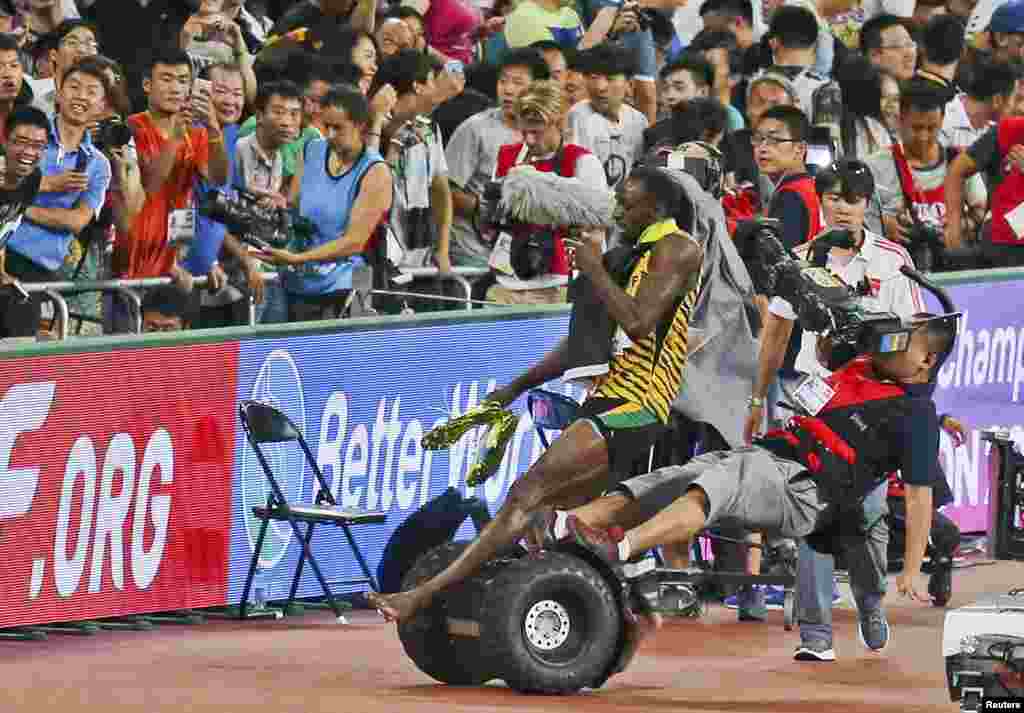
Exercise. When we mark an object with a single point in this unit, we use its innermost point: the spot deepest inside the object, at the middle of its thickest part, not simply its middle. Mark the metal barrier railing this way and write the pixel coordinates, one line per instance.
(127, 290)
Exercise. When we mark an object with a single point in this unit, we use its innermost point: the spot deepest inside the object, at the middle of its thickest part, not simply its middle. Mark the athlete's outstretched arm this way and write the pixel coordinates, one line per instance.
(551, 366)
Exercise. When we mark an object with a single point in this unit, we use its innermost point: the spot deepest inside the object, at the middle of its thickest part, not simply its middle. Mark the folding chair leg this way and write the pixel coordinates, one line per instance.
(360, 558)
(316, 568)
(244, 604)
(302, 562)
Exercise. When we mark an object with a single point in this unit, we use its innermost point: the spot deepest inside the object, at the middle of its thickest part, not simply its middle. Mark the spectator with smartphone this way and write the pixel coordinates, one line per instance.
(77, 176)
(210, 37)
(26, 132)
(172, 152)
(215, 252)
(73, 40)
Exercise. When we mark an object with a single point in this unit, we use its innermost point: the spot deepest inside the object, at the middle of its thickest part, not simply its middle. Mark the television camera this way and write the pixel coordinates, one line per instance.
(823, 303)
(251, 222)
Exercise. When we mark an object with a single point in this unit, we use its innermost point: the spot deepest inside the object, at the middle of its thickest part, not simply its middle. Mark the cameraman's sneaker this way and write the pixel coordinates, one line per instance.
(873, 630)
(814, 650)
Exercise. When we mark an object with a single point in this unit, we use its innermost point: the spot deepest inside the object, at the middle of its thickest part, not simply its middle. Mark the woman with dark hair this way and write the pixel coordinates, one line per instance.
(344, 189)
(862, 131)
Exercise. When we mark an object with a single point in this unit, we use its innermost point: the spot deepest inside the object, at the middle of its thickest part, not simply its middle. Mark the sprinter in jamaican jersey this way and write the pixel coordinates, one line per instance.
(644, 296)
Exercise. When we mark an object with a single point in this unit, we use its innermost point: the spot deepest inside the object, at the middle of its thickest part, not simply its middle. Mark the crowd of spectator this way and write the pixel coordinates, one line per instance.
(378, 124)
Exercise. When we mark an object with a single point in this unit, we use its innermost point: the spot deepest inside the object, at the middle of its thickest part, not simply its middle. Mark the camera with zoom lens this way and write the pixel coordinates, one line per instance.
(823, 303)
(926, 245)
(251, 222)
(112, 133)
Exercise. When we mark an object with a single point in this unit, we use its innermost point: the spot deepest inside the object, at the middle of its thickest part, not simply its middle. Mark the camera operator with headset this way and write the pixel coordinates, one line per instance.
(871, 265)
(530, 262)
(911, 203)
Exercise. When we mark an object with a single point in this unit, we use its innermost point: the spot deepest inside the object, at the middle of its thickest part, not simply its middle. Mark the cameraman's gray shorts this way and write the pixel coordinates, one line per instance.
(748, 487)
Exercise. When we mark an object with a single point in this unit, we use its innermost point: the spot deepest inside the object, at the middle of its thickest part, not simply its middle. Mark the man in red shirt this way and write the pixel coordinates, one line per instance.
(172, 152)
(999, 154)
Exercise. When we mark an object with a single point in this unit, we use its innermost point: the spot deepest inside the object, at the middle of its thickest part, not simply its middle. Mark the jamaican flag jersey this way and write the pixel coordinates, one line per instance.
(649, 372)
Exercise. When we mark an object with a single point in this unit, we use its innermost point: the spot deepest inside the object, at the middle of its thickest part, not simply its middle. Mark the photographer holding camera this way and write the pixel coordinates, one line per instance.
(537, 267)
(911, 205)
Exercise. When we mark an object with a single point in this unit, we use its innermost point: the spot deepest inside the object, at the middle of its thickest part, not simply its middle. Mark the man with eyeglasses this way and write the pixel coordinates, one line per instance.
(887, 43)
(874, 262)
(27, 132)
(74, 40)
(780, 151)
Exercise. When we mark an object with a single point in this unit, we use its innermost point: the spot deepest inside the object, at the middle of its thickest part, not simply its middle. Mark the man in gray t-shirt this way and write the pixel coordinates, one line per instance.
(472, 153)
(605, 125)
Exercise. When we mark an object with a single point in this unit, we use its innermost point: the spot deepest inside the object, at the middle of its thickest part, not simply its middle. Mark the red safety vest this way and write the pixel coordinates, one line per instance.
(804, 187)
(929, 206)
(509, 156)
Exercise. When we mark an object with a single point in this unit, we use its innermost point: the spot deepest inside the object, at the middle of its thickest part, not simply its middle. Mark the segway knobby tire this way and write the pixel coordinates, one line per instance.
(425, 637)
(553, 622)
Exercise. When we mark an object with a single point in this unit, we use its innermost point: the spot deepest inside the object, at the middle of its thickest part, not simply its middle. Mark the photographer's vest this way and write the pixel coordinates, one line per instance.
(848, 446)
(650, 371)
(564, 164)
(929, 206)
(804, 187)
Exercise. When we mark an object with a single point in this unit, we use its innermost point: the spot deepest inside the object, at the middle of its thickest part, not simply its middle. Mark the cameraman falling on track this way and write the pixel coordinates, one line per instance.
(872, 416)
(872, 264)
(648, 299)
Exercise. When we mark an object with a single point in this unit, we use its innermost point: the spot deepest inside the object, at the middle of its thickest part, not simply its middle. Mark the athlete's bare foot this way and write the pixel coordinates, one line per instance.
(397, 607)
(638, 626)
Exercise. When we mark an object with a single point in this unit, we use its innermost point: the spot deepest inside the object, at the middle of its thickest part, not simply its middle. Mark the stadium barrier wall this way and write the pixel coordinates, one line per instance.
(126, 483)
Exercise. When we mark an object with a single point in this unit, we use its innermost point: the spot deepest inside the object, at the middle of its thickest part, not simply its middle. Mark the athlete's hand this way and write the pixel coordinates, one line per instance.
(585, 254)
(503, 396)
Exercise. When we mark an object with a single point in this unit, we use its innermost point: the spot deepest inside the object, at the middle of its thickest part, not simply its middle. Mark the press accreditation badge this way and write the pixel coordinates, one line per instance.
(181, 226)
(501, 255)
(813, 395)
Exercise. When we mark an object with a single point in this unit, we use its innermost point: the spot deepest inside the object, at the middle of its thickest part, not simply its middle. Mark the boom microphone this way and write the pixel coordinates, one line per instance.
(539, 198)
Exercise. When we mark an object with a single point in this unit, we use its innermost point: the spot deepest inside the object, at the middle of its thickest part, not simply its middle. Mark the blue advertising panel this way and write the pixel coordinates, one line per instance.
(363, 400)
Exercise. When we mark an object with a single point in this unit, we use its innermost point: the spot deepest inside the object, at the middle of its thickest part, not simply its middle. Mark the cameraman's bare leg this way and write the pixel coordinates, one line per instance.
(575, 463)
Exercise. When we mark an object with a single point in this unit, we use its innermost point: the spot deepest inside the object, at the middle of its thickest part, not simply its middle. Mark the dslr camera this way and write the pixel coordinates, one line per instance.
(112, 133)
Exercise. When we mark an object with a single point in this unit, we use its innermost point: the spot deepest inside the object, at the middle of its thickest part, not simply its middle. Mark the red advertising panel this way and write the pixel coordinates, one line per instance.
(115, 482)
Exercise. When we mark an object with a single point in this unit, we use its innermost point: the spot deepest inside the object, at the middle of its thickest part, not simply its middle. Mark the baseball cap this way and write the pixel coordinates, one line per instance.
(1008, 17)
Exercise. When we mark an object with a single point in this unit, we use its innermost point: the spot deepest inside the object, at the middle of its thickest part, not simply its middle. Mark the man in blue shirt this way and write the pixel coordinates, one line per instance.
(76, 176)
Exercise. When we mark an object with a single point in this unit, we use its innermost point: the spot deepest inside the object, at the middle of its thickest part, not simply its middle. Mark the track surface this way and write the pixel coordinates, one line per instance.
(309, 664)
